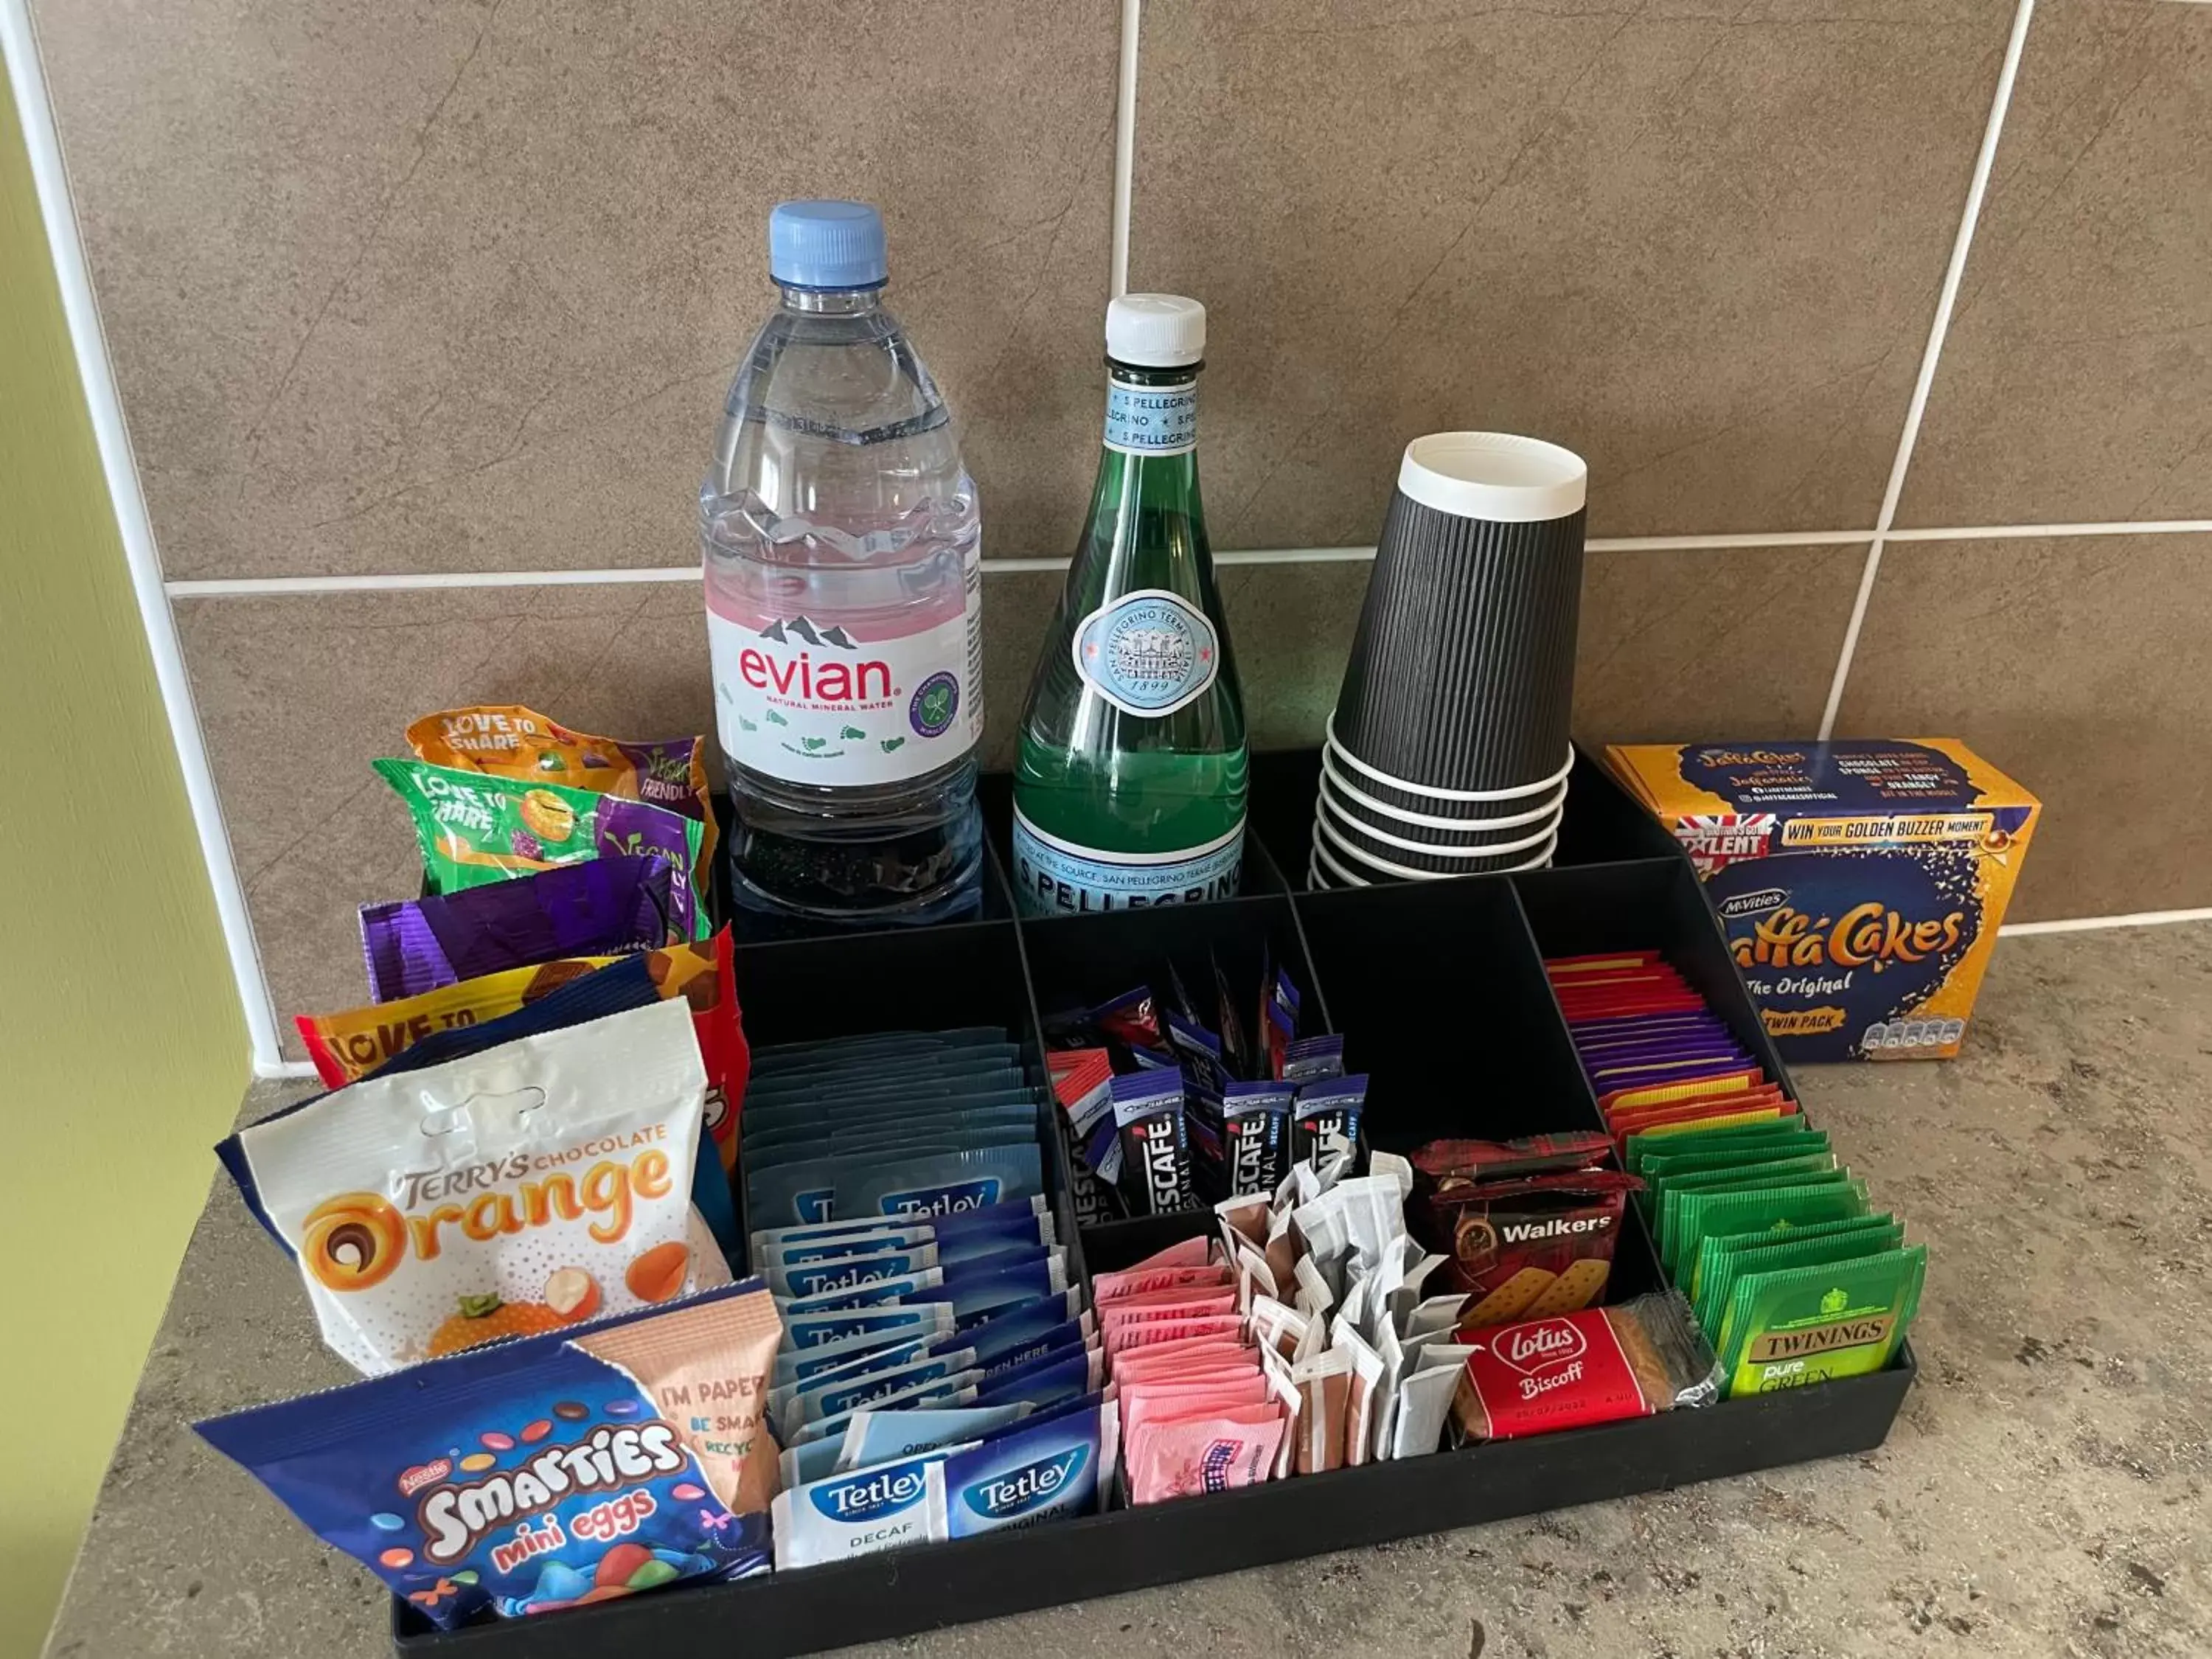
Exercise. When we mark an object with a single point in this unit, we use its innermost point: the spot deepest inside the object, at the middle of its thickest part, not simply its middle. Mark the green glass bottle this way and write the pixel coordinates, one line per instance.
(1130, 787)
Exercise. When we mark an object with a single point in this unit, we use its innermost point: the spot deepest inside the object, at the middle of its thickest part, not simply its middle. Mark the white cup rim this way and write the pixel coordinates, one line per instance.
(1336, 783)
(1337, 869)
(1322, 824)
(1504, 477)
(1519, 792)
(1490, 851)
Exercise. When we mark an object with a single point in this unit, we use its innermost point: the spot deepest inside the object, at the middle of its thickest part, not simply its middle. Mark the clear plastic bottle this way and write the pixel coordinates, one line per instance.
(844, 600)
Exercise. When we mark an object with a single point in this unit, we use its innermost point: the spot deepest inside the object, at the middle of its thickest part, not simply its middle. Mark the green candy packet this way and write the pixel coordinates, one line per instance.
(1815, 1324)
(476, 829)
(1721, 1268)
(1787, 1201)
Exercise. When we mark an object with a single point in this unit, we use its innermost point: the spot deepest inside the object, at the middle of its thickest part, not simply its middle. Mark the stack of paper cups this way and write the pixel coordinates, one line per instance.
(1449, 750)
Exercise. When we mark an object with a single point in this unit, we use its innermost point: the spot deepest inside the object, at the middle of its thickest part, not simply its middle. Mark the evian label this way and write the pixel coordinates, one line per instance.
(822, 702)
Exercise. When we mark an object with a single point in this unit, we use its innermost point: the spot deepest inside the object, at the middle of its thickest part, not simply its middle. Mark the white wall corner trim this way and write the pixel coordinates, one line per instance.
(25, 75)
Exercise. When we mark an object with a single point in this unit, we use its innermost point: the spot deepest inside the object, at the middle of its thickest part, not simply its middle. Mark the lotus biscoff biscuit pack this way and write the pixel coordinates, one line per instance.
(1860, 882)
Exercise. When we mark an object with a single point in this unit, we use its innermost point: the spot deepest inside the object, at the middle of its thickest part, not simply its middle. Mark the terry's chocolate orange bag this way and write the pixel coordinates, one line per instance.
(510, 1192)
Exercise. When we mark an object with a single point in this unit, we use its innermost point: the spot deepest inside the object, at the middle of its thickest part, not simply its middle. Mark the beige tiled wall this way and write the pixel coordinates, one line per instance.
(455, 286)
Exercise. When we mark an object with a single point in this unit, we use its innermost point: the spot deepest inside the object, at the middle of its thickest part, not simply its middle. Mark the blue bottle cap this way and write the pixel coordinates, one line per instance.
(826, 245)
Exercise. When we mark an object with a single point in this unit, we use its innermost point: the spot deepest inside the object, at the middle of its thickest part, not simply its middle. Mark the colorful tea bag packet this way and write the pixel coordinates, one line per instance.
(476, 829)
(547, 1472)
(1791, 1275)
(506, 1193)
(1023, 1220)
(513, 742)
(1657, 1056)
(1633, 1359)
(347, 1047)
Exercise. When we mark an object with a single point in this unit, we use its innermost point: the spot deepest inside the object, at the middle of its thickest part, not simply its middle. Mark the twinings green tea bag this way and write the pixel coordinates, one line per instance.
(1669, 1205)
(1665, 1166)
(1744, 1177)
(1802, 1325)
(476, 829)
(1693, 1215)
(1641, 1147)
(1713, 1246)
(1723, 1265)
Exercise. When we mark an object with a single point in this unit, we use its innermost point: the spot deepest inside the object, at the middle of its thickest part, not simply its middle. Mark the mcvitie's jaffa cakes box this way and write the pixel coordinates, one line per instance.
(1861, 882)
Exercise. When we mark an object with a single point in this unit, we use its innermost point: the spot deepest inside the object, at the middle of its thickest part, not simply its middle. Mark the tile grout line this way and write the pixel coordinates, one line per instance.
(232, 587)
(1125, 145)
(1931, 355)
(134, 526)
(2096, 924)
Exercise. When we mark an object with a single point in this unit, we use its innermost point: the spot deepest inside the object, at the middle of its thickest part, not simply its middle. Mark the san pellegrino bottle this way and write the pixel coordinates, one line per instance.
(844, 600)
(1130, 786)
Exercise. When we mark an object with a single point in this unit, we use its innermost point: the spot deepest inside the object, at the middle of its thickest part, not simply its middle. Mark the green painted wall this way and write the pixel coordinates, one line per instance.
(122, 1053)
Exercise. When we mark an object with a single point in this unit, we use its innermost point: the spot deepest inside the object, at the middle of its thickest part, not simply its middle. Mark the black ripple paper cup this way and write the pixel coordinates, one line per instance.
(1377, 856)
(1463, 671)
(1349, 809)
(1359, 797)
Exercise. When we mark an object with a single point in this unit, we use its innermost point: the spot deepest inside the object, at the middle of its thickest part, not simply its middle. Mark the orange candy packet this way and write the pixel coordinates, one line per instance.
(509, 741)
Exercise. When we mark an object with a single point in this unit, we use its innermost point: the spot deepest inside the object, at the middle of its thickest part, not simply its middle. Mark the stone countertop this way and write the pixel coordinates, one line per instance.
(2043, 1493)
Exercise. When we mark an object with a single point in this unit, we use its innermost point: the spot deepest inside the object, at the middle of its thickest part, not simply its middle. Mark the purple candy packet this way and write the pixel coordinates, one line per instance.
(608, 906)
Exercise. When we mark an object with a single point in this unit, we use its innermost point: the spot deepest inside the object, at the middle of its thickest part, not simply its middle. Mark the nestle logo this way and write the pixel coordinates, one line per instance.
(425, 1475)
(1530, 1348)
(1751, 904)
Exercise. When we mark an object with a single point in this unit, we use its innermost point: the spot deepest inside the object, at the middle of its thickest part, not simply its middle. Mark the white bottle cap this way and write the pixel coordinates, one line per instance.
(1155, 331)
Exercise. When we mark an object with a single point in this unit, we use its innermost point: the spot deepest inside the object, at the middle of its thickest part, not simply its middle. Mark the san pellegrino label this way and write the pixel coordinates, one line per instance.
(1149, 653)
(1052, 874)
(1151, 420)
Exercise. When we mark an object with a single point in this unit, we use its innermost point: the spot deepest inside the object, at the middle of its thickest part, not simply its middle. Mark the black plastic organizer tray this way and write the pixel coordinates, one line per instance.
(1440, 991)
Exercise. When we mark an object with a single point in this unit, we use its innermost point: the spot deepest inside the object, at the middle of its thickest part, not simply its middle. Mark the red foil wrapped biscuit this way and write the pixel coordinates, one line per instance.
(1643, 1357)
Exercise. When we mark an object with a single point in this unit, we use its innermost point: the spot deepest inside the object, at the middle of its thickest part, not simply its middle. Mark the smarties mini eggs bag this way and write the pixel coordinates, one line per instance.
(500, 1195)
(549, 1472)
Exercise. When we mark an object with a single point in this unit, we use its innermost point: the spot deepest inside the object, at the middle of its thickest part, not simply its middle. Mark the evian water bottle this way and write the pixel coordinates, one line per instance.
(844, 598)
